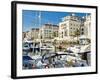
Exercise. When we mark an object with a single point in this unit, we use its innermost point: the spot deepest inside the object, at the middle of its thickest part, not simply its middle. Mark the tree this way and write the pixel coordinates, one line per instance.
(77, 33)
(55, 34)
(54, 43)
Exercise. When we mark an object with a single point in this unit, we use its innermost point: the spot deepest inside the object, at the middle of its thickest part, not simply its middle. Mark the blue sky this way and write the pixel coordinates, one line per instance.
(30, 18)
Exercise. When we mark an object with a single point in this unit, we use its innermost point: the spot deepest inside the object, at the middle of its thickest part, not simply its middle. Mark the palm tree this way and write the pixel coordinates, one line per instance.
(77, 33)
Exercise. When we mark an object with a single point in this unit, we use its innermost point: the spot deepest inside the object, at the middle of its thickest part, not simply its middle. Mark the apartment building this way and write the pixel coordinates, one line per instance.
(87, 26)
(34, 33)
(48, 31)
(31, 34)
(69, 26)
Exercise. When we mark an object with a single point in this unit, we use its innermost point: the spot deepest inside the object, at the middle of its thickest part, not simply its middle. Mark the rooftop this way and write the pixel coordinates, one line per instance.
(54, 25)
(35, 29)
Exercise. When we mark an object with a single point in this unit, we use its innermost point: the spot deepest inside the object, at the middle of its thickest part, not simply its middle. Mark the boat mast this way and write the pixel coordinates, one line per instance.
(39, 16)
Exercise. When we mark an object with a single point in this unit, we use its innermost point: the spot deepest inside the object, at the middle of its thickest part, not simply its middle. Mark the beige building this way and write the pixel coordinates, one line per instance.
(69, 25)
(34, 33)
(48, 31)
(87, 26)
(55, 30)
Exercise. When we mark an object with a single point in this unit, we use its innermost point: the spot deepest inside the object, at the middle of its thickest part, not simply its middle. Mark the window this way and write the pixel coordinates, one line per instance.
(82, 33)
(70, 24)
(66, 33)
(82, 29)
(74, 28)
(62, 34)
(71, 28)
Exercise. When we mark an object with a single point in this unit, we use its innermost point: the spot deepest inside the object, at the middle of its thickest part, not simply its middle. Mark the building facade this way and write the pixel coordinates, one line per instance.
(69, 26)
(48, 31)
(87, 26)
(34, 33)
